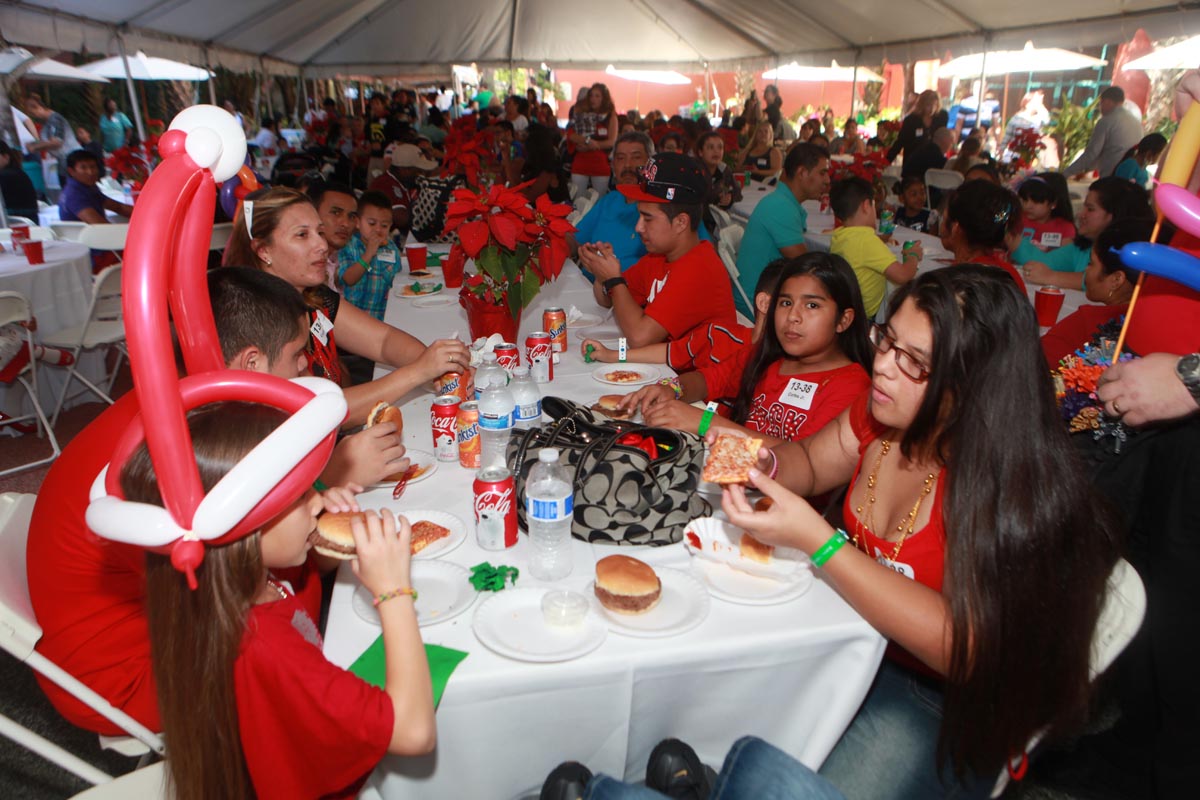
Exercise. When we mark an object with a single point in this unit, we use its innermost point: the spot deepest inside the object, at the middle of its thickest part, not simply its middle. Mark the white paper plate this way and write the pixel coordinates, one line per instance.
(417, 458)
(458, 531)
(435, 300)
(510, 623)
(430, 282)
(443, 592)
(716, 539)
(649, 373)
(734, 586)
(682, 606)
(585, 321)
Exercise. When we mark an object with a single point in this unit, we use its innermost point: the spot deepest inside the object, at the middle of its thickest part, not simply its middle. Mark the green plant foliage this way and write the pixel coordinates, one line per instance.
(1072, 126)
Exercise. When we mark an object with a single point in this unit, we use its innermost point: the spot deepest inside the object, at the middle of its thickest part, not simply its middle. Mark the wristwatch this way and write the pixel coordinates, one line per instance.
(613, 283)
(1188, 370)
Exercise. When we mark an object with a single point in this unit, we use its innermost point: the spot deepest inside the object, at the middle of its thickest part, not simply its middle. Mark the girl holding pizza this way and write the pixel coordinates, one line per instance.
(811, 362)
(972, 540)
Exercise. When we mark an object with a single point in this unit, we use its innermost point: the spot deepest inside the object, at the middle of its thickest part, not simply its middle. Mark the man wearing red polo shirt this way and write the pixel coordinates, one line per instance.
(680, 284)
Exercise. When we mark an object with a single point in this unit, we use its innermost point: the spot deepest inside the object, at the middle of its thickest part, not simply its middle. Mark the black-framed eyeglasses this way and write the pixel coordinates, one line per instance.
(884, 343)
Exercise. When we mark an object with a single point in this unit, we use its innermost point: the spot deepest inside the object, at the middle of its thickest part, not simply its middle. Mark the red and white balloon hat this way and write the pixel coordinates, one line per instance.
(166, 257)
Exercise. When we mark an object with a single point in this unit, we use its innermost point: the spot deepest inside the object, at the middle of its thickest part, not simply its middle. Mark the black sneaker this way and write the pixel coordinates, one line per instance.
(567, 781)
(675, 770)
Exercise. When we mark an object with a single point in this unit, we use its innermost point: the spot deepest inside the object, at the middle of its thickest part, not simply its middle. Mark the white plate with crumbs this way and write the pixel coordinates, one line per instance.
(683, 605)
(735, 586)
(513, 624)
(443, 592)
(626, 374)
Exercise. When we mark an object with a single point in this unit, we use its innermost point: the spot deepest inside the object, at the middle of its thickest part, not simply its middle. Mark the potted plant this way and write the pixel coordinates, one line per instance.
(516, 248)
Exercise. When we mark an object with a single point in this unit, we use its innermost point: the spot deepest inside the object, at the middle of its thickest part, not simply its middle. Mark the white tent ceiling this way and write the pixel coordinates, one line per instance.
(385, 37)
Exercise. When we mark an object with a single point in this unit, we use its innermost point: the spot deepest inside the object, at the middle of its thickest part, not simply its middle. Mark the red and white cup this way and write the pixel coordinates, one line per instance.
(416, 257)
(1047, 303)
(33, 252)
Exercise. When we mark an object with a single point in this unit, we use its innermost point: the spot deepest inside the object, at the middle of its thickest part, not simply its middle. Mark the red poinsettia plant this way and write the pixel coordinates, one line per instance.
(134, 163)
(1025, 146)
(868, 166)
(516, 247)
(469, 152)
(888, 131)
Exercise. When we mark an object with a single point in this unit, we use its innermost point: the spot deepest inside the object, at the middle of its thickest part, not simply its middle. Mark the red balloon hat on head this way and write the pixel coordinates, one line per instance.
(165, 261)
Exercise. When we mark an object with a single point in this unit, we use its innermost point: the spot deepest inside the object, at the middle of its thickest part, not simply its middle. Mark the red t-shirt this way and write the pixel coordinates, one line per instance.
(1049, 234)
(308, 728)
(922, 556)
(1075, 330)
(88, 593)
(400, 195)
(1001, 261)
(707, 345)
(788, 407)
(684, 294)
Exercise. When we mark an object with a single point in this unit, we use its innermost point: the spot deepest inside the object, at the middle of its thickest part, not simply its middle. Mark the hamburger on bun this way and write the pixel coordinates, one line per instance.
(386, 412)
(607, 405)
(333, 537)
(626, 586)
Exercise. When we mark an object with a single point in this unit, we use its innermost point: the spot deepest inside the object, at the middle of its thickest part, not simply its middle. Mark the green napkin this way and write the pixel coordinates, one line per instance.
(442, 663)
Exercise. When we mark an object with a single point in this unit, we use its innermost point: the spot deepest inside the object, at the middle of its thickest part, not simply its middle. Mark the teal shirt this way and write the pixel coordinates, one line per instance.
(1060, 259)
(778, 221)
(1131, 170)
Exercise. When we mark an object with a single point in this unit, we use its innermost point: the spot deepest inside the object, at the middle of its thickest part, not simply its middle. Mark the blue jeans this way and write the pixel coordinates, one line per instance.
(753, 770)
(889, 752)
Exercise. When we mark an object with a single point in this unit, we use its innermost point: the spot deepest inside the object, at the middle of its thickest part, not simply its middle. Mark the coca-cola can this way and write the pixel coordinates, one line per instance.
(554, 320)
(443, 415)
(470, 447)
(508, 356)
(495, 508)
(539, 352)
(459, 384)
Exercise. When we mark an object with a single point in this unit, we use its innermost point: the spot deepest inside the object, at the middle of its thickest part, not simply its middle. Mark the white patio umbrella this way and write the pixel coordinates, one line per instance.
(147, 68)
(44, 69)
(833, 73)
(663, 76)
(1029, 59)
(1183, 55)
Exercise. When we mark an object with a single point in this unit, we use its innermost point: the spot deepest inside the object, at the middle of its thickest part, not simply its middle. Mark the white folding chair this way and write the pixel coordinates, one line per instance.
(68, 231)
(147, 783)
(732, 234)
(721, 217)
(13, 219)
(110, 237)
(220, 235)
(104, 327)
(19, 633)
(37, 233)
(729, 258)
(14, 307)
(1122, 614)
(945, 179)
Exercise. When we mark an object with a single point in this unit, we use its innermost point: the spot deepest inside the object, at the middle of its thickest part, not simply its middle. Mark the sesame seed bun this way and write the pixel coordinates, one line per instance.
(626, 585)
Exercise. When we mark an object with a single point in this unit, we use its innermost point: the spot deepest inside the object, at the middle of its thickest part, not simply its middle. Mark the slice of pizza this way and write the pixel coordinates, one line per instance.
(624, 376)
(730, 459)
(753, 549)
(425, 533)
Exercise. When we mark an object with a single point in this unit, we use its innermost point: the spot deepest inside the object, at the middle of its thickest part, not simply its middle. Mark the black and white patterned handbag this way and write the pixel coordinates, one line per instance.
(622, 497)
(429, 209)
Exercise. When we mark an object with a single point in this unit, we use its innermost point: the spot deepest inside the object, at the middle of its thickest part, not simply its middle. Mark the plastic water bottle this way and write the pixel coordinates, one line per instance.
(488, 373)
(495, 425)
(527, 399)
(549, 509)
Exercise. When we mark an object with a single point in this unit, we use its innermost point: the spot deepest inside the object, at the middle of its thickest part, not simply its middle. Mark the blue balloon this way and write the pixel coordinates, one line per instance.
(1164, 261)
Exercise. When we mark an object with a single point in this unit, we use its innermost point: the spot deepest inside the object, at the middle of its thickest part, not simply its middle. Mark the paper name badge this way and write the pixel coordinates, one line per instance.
(899, 567)
(321, 327)
(1051, 239)
(799, 393)
(386, 256)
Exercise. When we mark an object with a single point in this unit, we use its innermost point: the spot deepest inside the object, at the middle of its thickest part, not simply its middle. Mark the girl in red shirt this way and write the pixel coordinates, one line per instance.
(807, 367)
(980, 218)
(962, 545)
(1047, 218)
(249, 704)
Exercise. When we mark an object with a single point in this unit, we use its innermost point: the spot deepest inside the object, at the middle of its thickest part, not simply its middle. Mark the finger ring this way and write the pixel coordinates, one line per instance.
(1117, 407)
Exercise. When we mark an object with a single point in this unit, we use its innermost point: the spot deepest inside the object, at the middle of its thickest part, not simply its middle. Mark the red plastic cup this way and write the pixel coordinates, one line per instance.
(741, 179)
(1047, 303)
(20, 231)
(452, 272)
(33, 252)
(416, 257)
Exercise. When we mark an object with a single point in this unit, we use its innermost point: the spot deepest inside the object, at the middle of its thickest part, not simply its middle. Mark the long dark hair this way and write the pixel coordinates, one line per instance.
(195, 635)
(1023, 589)
(1049, 187)
(1121, 199)
(985, 212)
(1117, 235)
(838, 279)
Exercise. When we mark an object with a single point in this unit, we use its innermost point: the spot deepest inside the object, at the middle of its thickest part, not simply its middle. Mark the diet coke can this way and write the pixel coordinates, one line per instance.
(554, 320)
(470, 448)
(444, 417)
(495, 509)
(508, 356)
(539, 352)
(459, 384)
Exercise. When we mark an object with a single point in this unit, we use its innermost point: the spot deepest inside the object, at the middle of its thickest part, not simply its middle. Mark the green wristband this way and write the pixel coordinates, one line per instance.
(319, 486)
(826, 551)
(706, 420)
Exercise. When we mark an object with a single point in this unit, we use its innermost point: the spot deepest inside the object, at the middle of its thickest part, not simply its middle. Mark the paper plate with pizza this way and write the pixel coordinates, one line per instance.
(626, 374)
(717, 540)
(421, 464)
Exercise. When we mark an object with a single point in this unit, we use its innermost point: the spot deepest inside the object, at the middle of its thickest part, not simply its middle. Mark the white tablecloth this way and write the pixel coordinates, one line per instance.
(59, 292)
(793, 673)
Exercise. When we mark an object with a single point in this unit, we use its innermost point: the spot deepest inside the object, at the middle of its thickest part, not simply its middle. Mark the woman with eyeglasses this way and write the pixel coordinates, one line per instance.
(972, 540)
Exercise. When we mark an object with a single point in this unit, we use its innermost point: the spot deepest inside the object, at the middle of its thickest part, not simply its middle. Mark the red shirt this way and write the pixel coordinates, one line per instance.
(1075, 330)
(88, 593)
(922, 556)
(400, 195)
(707, 345)
(788, 415)
(1001, 261)
(1049, 234)
(684, 294)
(308, 728)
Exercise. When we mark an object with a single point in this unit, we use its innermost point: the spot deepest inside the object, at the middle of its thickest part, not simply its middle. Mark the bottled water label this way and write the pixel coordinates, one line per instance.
(529, 411)
(550, 510)
(491, 422)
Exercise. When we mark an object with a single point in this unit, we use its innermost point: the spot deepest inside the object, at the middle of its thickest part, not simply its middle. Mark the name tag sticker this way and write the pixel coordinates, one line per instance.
(386, 256)
(898, 567)
(321, 327)
(1051, 239)
(798, 393)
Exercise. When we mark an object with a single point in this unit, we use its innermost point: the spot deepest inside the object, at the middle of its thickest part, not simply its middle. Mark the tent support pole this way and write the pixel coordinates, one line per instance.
(987, 41)
(854, 83)
(133, 100)
(301, 98)
(212, 78)
(512, 47)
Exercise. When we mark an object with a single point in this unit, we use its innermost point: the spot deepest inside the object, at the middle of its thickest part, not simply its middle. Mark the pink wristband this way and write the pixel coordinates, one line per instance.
(774, 465)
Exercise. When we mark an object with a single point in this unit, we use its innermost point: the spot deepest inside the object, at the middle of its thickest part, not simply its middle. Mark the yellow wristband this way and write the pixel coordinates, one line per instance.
(383, 598)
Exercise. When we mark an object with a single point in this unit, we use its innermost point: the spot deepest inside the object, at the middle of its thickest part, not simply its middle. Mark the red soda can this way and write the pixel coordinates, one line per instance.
(539, 352)
(458, 384)
(554, 320)
(495, 509)
(470, 448)
(443, 415)
(508, 355)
